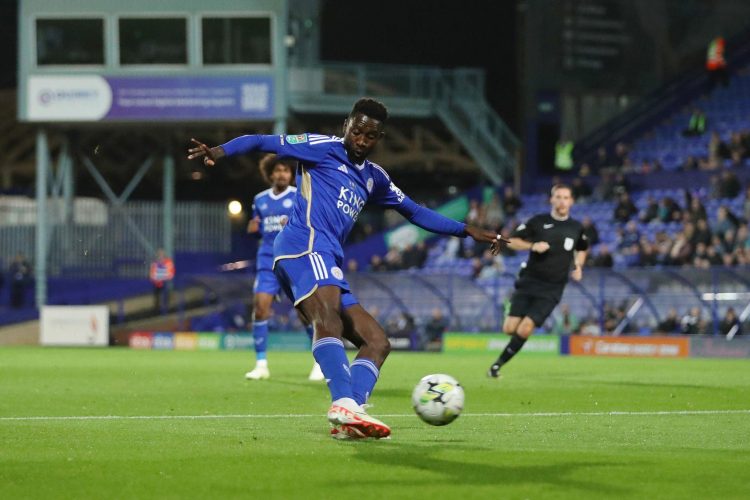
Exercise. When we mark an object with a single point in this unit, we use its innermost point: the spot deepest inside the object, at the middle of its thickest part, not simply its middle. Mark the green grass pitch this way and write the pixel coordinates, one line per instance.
(543, 431)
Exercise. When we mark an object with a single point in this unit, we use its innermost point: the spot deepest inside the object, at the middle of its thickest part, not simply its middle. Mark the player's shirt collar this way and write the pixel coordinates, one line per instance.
(281, 194)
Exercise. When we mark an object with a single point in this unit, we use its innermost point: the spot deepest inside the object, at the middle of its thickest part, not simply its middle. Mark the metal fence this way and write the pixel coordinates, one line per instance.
(101, 240)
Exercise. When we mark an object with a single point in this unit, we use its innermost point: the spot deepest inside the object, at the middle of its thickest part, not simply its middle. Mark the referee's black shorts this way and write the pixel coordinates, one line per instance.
(534, 301)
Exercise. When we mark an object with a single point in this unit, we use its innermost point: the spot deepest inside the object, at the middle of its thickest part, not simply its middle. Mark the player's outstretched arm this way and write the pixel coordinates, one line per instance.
(209, 155)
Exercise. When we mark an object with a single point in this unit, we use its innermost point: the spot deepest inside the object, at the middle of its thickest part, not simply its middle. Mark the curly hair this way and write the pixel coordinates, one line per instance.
(269, 162)
(370, 107)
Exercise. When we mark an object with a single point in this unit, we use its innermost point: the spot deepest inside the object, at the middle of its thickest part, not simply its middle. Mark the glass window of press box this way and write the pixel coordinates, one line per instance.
(69, 42)
(153, 41)
(236, 40)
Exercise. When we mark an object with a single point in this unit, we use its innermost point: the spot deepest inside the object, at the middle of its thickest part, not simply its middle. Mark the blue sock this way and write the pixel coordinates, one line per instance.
(310, 332)
(260, 334)
(330, 354)
(364, 377)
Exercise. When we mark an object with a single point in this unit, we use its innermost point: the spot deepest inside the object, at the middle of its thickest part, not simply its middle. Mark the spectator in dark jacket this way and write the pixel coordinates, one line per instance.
(589, 229)
(670, 324)
(625, 208)
(729, 322)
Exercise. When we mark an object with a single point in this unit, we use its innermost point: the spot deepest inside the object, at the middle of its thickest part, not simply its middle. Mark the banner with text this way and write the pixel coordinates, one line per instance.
(149, 98)
(495, 342)
(653, 347)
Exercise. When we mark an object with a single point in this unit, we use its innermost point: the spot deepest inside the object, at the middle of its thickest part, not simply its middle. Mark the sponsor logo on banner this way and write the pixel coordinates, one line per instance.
(140, 340)
(493, 342)
(209, 341)
(185, 341)
(74, 325)
(237, 341)
(653, 347)
(163, 341)
(67, 98)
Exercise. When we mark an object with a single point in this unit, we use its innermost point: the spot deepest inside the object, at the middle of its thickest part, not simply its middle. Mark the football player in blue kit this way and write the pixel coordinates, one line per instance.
(271, 209)
(335, 181)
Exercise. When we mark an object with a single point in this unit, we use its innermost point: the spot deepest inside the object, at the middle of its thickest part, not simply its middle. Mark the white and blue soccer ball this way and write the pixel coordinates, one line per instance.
(438, 399)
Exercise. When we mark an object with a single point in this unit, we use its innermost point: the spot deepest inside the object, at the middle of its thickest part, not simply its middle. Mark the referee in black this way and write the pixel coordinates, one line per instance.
(556, 243)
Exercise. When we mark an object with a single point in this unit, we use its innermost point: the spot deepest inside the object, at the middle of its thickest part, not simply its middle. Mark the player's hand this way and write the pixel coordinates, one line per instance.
(486, 236)
(209, 155)
(577, 274)
(539, 246)
(254, 225)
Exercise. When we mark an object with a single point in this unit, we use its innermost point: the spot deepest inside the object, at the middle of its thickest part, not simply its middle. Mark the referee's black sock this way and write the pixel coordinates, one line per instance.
(515, 345)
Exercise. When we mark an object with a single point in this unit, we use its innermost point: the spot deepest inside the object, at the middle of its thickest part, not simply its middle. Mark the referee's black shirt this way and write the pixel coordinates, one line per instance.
(554, 265)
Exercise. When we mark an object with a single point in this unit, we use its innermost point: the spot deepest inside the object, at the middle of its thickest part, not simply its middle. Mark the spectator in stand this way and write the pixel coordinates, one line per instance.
(647, 253)
(730, 322)
(700, 257)
(511, 202)
(352, 266)
(691, 323)
(620, 158)
(414, 256)
(589, 229)
(494, 214)
(669, 210)
(493, 265)
(702, 232)
(602, 159)
(696, 211)
(696, 125)
(713, 255)
(729, 185)
(663, 245)
(603, 258)
(682, 249)
(436, 326)
(566, 323)
(651, 211)
(716, 64)
(690, 164)
(376, 264)
(670, 324)
(20, 277)
(393, 261)
(625, 208)
(161, 274)
(476, 267)
(581, 190)
(717, 152)
(605, 190)
(737, 146)
(474, 216)
(451, 251)
(746, 204)
(725, 221)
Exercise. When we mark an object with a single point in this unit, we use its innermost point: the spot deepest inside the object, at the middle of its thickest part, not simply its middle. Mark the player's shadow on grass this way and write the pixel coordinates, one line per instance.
(480, 474)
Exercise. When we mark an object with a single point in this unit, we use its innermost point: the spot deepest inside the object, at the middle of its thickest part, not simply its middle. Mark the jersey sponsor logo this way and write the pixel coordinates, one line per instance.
(399, 194)
(350, 202)
(568, 244)
(370, 184)
(337, 273)
(344, 169)
(287, 203)
(547, 226)
(274, 223)
(296, 139)
(264, 206)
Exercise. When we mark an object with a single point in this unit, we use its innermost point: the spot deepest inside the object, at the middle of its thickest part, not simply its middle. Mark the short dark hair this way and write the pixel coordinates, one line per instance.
(560, 185)
(370, 107)
(269, 162)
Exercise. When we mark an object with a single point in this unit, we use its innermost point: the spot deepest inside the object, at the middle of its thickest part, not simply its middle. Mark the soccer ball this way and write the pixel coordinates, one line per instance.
(438, 399)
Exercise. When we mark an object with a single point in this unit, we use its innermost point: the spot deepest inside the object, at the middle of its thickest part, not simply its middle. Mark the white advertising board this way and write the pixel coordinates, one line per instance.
(74, 326)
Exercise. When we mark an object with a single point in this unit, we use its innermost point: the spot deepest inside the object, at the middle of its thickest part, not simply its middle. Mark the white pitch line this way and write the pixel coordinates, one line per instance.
(394, 415)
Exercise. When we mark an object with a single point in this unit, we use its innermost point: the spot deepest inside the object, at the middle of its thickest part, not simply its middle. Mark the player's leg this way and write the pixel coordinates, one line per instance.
(316, 374)
(515, 316)
(363, 331)
(265, 288)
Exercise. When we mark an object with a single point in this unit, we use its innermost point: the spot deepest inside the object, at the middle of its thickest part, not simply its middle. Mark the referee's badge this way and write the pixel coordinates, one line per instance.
(568, 245)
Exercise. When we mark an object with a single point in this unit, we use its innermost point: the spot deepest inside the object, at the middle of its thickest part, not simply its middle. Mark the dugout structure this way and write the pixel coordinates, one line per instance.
(93, 67)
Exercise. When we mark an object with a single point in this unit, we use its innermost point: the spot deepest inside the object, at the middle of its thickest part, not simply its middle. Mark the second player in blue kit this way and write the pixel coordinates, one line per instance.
(335, 181)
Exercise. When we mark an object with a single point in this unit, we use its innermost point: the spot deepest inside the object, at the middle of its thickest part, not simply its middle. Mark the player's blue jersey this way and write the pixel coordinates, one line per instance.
(273, 211)
(331, 192)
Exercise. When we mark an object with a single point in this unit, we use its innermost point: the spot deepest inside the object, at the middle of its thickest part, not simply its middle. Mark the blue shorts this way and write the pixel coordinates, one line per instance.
(266, 282)
(299, 277)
